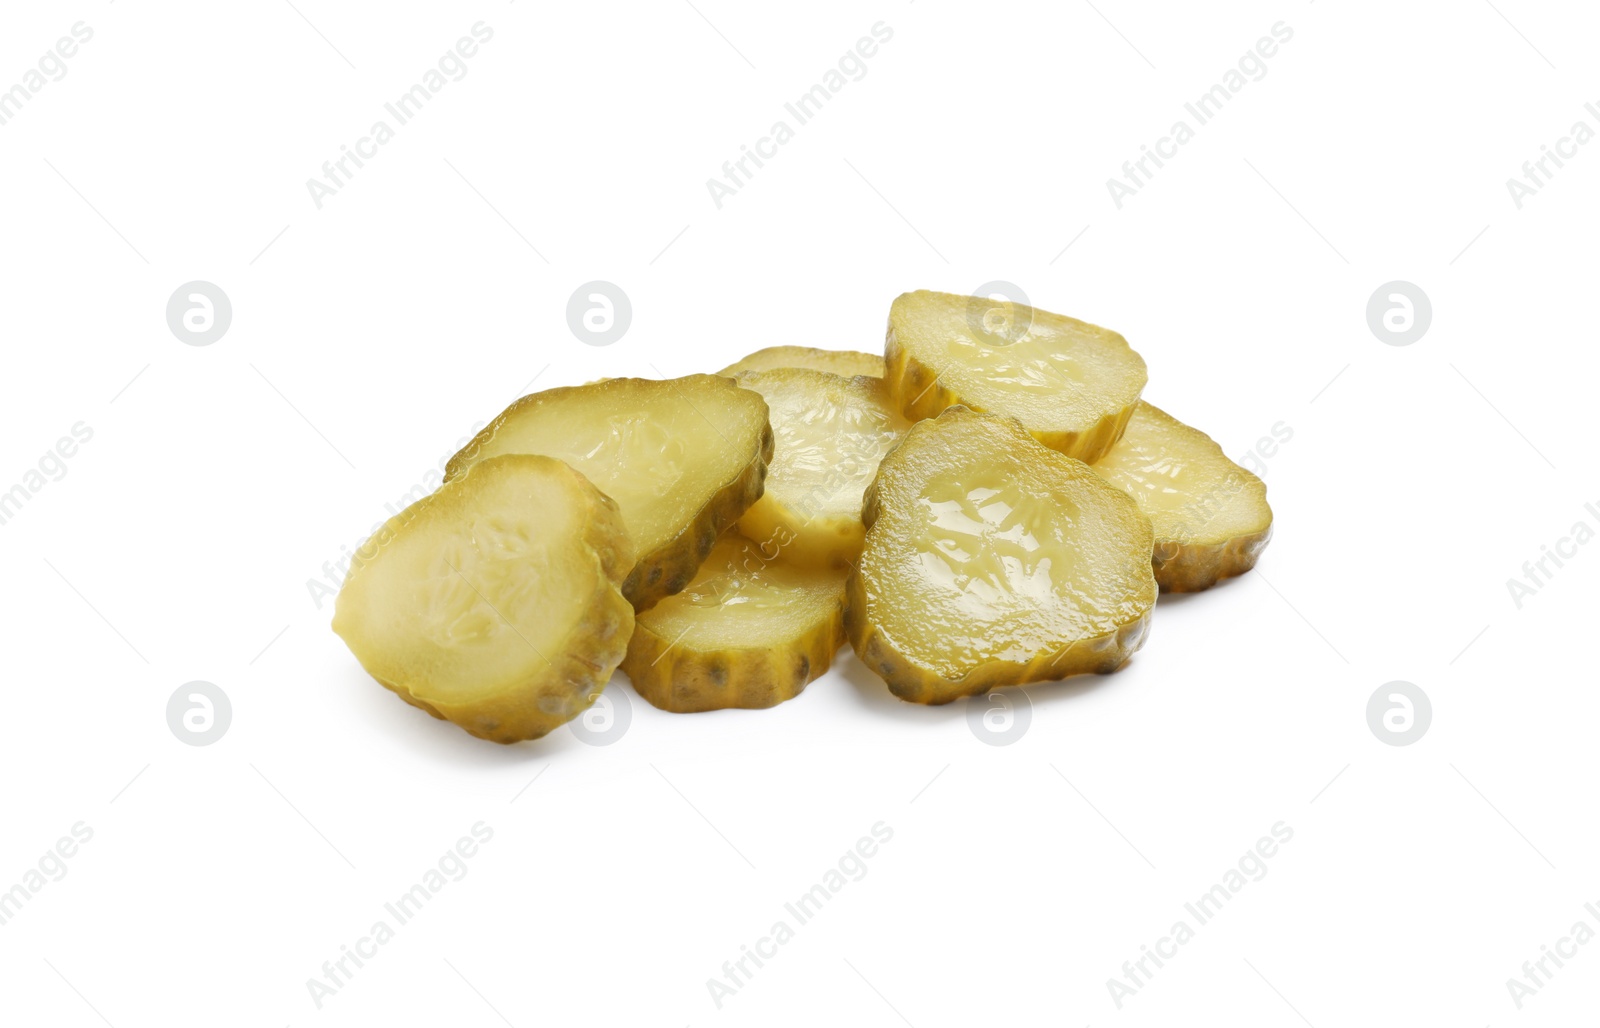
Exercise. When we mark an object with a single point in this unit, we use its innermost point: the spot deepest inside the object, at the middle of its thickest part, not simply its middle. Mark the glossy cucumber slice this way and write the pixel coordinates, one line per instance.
(991, 560)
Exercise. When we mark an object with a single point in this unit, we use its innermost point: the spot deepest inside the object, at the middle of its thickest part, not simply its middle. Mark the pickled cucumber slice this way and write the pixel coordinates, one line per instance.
(496, 601)
(683, 458)
(840, 362)
(750, 631)
(830, 434)
(1071, 384)
(991, 560)
(1210, 516)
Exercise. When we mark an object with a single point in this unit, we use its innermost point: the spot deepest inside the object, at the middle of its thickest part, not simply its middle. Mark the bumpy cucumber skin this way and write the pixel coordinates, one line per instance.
(670, 567)
(923, 396)
(579, 673)
(685, 681)
(916, 683)
(1194, 567)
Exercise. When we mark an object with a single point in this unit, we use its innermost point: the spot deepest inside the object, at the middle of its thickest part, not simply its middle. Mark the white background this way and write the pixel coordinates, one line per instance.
(369, 336)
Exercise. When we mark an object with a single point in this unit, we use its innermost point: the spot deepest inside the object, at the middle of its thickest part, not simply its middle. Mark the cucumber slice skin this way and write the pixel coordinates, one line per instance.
(1193, 568)
(671, 567)
(909, 681)
(924, 394)
(734, 662)
(688, 682)
(1184, 560)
